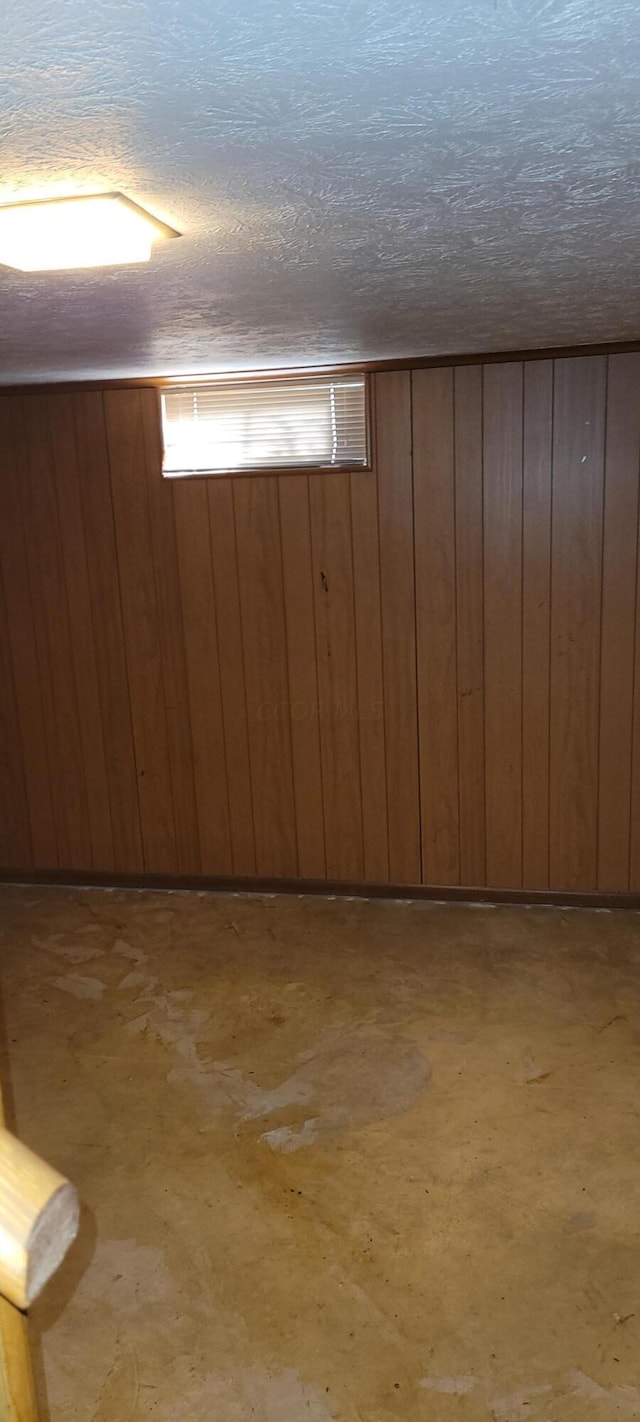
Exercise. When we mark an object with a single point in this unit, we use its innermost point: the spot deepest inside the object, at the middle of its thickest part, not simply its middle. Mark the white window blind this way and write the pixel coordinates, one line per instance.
(314, 422)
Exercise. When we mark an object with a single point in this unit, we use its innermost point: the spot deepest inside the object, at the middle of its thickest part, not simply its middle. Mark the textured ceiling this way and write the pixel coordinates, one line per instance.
(354, 178)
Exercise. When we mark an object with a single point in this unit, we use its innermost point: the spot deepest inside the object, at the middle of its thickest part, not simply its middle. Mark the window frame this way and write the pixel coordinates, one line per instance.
(263, 377)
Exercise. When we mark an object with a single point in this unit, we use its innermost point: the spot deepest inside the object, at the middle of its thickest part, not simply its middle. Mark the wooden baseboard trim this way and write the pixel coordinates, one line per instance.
(323, 887)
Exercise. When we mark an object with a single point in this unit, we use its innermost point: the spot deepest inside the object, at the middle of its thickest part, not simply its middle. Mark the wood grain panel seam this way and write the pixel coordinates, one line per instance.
(73, 658)
(12, 673)
(46, 728)
(223, 729)
(161, 639)
(63, 579)
(17, 413)
(469, 651)
(152, 470)
(315, 657)
(484, 613)
(579, 436)
(14, 685)
(366, 562)
(376, 466)
(17, 442)
(455, 610)
(416, 671)
(602, 546)
(93, 625)
(634, 679)
(538, 386)
(356, 671)
(125, 648)
(522, 622)
(244, 678)
(436, 621)
(187, 727)
(287, 666)
(183, 646)
(550, 655)
(503, 623)
(75, 694)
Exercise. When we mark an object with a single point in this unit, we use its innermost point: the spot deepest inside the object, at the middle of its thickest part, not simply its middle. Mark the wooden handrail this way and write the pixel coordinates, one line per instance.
(17, 1389)
(39, 1216)
(18, 1401)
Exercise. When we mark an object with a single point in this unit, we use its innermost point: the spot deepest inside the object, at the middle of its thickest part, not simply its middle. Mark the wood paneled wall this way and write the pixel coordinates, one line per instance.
(426, 674)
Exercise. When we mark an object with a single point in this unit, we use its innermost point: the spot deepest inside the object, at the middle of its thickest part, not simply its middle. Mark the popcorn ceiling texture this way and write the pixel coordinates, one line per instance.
(354, 178)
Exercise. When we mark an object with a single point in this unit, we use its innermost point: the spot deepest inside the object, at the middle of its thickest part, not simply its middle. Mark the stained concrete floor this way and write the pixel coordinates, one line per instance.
(340, 1160)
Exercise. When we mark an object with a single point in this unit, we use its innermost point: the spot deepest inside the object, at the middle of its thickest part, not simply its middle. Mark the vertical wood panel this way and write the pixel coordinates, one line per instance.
(164, 557)
(395, 512)
(66, 475)
(203, 675)
(266, 674)
(53, 638)
(482, 586)
(368, 626)
(127, 457)
(634, 836)
(295, 530)
(502, 460)
(536, 610)
(470, 620)
(15, 834)
(434, 495)
(619, 580)
(337, 680)
(22, 643)
(109, 644)
(578, 456)
(232, 674)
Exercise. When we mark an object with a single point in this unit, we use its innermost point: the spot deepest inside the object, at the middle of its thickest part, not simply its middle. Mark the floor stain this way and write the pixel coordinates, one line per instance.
(317, 1189)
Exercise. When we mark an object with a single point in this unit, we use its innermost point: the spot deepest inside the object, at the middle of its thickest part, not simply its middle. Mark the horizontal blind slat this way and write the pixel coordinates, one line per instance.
(218, 427)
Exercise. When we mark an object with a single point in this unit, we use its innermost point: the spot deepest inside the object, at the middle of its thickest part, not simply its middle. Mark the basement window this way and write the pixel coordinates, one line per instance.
(254, 425)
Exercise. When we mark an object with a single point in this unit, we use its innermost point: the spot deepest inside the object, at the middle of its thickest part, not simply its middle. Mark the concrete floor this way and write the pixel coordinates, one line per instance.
(341, 1160)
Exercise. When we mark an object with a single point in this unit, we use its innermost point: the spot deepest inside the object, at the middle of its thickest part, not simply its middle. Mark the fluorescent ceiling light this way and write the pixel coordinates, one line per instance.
(100, 230)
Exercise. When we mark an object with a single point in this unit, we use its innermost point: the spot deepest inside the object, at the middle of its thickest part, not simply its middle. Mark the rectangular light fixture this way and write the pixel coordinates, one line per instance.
(274, 423)
(60, 234)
